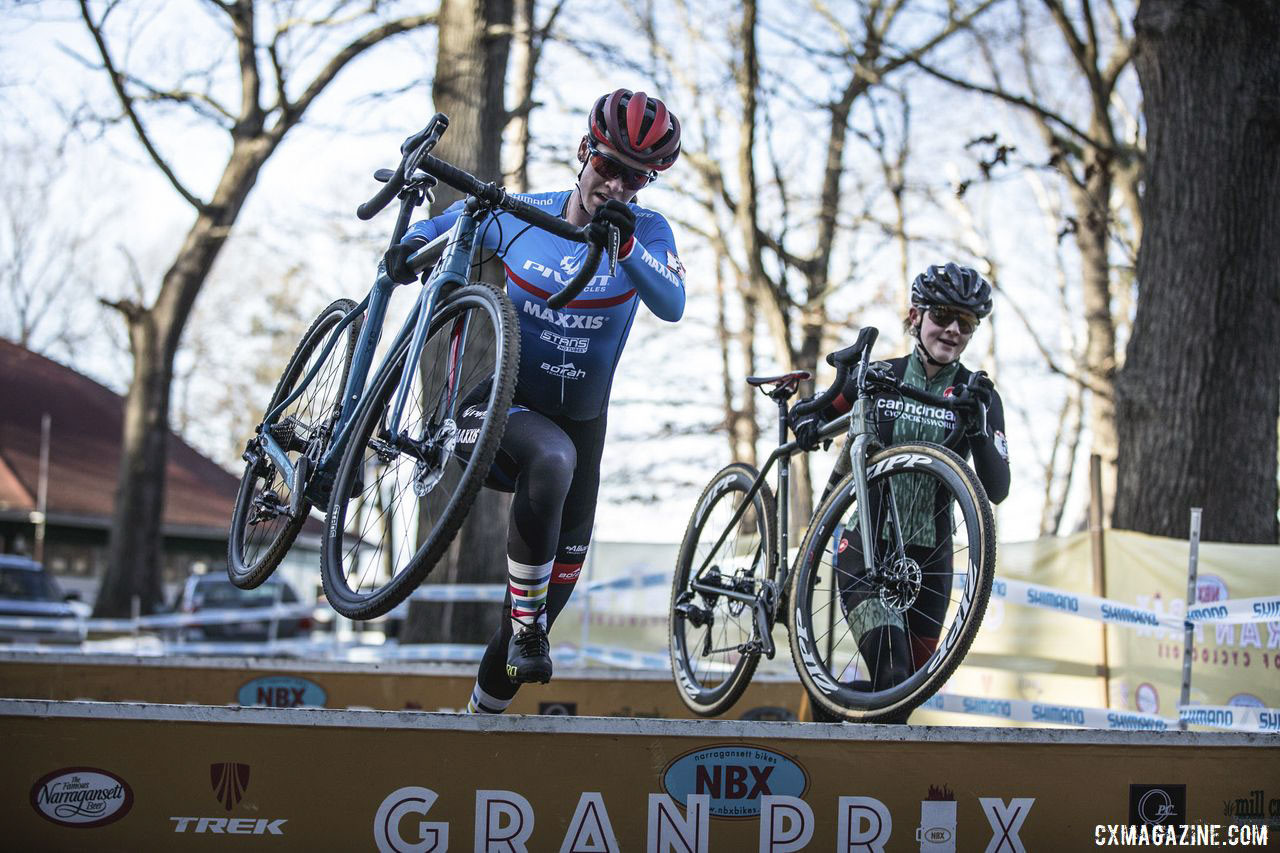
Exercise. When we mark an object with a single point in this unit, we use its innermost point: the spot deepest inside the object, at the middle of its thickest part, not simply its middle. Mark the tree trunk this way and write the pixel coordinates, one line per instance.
(1198, 395)
(134, 543)
(471, 68)
(1093, 232)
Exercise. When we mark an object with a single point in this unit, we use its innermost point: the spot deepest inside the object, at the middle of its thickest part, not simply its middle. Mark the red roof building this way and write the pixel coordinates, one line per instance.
(84, 457)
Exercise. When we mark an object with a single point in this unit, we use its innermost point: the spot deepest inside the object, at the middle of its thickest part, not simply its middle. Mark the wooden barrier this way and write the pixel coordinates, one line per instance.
(122, 776)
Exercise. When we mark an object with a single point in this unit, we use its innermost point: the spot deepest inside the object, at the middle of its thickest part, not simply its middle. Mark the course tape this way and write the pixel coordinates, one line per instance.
(1026, 711)
(1239, 718)
(1234, 611)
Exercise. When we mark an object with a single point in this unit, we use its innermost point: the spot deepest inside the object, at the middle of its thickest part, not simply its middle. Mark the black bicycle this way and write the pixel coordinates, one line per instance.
(382, 456)
(889, 584)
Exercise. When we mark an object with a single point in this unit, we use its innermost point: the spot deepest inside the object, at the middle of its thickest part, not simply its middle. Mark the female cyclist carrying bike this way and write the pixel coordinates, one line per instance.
(947, 304)
(550, 452)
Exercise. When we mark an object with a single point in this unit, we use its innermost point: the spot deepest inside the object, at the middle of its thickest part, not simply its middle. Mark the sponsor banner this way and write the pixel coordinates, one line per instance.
(1024, 711)
(1240, 718)
(688, 785)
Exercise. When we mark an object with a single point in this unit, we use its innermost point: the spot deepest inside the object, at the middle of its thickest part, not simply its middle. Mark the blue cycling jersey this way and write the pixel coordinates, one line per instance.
(568, 357)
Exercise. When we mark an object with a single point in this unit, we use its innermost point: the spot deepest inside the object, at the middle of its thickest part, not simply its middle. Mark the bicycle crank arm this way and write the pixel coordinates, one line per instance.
(298, 486)
(764, 629)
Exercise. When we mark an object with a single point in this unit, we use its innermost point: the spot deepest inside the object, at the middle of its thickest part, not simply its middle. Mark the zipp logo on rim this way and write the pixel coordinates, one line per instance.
(898, 460)
(714, 492)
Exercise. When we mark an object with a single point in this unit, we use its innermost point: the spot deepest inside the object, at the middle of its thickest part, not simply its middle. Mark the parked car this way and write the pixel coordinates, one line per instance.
(214, 592)
(27, 590)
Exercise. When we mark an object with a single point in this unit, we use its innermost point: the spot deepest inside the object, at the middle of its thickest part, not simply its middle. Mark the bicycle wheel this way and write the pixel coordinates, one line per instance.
(398, 501)
(873, 643)
(261, 528)
(712, 638)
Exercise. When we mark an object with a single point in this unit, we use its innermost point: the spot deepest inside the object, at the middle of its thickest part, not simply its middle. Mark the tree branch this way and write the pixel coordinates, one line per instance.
(126, 103)
(291, 112)
(1016, 100)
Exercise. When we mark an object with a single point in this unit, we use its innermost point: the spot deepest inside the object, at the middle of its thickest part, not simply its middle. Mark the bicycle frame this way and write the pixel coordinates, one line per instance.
(452, 269)
(764, 614)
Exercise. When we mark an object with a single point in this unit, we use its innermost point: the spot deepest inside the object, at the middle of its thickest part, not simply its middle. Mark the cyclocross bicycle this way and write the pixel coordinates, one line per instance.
(382, 456)
(890, 582)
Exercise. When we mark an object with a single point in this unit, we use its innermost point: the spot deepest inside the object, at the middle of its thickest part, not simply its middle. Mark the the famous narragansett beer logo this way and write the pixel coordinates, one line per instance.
(81, 797)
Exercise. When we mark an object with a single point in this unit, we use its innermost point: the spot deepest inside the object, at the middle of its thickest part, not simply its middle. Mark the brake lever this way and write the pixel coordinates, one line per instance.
(615, 237)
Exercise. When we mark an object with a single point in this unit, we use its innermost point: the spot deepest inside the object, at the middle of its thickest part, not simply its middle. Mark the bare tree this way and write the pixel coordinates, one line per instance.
(1199, 392)
(270, 43)
(44, 265)
(1094, 157)
(530, 38)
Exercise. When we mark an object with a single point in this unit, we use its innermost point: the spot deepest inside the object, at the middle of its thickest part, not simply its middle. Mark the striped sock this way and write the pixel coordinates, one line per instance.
(528, 593)
(482, 703)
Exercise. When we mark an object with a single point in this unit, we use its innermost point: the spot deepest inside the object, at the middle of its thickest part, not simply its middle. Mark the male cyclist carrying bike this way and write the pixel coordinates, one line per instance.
(550, 452)
(947, 304)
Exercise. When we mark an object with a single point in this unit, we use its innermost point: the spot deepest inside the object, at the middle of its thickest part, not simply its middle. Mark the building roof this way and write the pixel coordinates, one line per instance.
(84, 452)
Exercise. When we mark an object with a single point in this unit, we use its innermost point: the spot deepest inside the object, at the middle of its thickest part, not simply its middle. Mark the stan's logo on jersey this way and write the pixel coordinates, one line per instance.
(560, 342)
(564, 371)
(563, 320)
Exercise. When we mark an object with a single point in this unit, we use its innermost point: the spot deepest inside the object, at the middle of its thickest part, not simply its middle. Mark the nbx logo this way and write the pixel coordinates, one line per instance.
(730, 781)
(229, 780)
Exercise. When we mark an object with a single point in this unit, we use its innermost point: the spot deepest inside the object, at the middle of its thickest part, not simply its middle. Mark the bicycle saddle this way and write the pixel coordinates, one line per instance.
(786, 384)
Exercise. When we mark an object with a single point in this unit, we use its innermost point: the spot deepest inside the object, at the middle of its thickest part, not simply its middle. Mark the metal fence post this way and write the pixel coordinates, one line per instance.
(1188, 639)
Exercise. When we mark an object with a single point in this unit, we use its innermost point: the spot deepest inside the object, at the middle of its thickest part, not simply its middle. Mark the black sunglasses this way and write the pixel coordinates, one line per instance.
(944, 317)
(609, 169)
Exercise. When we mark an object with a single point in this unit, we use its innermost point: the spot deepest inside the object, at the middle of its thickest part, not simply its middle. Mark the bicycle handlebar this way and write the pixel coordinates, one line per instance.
(841, 360)
(416, 158)
(964, 403)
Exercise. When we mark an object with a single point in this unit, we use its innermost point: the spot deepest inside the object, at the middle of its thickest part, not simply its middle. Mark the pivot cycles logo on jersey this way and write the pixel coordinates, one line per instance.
(564, 371)
(81, 797)
(563, 320)
(570, 268)
(565, 344)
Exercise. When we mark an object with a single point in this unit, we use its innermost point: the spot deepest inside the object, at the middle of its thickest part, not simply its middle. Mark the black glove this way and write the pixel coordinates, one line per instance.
(617, 214)
(807, 432)
(975, 399)
(396, 257)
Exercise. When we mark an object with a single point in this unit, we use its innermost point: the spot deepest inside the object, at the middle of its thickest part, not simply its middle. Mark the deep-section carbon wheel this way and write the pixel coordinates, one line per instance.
(262, 526)
(398, 500)
(872, 639)
(713, 643)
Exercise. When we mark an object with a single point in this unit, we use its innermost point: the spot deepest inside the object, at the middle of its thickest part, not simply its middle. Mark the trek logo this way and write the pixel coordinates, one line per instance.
(570, 269)
(230, 825)
(564, 371)
(563, 320)
(229, 780)
(564, 344)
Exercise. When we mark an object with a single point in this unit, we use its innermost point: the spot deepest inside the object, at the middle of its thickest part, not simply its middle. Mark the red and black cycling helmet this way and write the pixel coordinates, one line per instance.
(952, 286)
(638, 127)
